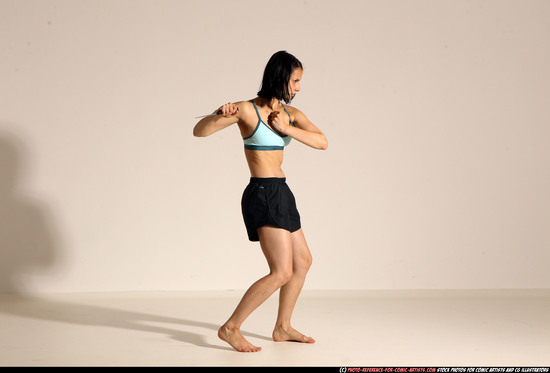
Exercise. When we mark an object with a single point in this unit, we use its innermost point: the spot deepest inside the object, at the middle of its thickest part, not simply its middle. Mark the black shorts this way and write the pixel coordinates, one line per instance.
(269, 201)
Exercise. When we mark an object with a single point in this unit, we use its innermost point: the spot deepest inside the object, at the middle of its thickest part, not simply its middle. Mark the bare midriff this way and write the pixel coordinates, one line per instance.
(265, 163)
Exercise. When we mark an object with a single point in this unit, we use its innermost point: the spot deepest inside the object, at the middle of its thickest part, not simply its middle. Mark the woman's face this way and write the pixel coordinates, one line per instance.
(294, 84)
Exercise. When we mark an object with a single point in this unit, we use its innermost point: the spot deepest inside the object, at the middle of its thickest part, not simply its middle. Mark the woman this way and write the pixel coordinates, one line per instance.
(268, 206)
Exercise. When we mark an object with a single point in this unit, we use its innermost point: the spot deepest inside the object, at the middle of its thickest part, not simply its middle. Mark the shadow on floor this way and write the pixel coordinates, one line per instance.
(42, 308)
(30, 245)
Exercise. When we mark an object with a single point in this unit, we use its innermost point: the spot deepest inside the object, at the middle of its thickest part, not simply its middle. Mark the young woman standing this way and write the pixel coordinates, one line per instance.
(268, 206)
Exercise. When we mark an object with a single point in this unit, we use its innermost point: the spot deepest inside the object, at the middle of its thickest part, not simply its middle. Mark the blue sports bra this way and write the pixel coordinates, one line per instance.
(264, 138)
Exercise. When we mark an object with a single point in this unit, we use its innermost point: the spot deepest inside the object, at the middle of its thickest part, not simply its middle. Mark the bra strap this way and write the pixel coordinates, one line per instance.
(289, 120)
(257, 112)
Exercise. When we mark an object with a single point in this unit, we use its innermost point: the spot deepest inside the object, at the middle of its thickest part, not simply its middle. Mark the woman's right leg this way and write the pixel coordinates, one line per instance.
(276, 245)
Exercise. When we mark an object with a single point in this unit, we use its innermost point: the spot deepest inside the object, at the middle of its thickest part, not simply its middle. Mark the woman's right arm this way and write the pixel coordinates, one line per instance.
(214, 123)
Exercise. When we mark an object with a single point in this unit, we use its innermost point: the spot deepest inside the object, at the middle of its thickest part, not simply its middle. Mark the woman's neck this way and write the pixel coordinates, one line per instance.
(273, 104)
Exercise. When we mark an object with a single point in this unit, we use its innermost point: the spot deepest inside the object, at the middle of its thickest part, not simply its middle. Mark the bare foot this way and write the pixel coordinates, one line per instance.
(236, 340)
(281, 335)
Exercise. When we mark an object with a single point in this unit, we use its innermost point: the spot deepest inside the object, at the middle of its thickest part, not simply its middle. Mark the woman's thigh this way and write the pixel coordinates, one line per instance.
(301, 256)
(277, 247)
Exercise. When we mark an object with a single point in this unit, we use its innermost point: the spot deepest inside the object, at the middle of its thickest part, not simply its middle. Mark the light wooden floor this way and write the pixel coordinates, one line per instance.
(352, 328)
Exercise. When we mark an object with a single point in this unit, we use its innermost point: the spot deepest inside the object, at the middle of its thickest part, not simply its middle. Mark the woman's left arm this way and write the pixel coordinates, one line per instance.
(305, 131)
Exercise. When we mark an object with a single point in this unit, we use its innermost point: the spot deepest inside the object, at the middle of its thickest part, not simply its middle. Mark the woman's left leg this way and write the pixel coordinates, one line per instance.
(288, 294)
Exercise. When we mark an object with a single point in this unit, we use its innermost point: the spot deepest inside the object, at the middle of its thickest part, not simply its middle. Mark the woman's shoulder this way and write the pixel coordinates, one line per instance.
(245, 104)
(294, 111)
(292, 108)
(247, 112)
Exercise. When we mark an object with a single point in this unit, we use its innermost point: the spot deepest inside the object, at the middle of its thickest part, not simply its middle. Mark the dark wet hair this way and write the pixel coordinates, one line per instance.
(277, 76)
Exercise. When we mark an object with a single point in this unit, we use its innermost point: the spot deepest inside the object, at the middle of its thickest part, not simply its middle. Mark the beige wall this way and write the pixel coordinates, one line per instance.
(437, 114)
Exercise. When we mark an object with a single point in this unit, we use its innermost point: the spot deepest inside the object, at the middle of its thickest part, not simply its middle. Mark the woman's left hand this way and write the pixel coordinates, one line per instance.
(278, 121)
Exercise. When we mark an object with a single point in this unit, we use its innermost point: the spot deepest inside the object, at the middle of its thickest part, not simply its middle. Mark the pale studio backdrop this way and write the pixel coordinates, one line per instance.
(437, 114)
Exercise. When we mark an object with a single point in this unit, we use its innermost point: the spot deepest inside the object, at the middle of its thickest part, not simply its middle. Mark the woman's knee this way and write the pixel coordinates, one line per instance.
(304, 263)
(283, 276)
(308, 261)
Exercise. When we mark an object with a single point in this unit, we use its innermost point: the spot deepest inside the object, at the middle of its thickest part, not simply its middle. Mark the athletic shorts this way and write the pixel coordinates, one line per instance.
(269, 201)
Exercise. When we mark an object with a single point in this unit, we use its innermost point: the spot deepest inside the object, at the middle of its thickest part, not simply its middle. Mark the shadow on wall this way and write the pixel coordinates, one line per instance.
(29, 247)
(27, 244)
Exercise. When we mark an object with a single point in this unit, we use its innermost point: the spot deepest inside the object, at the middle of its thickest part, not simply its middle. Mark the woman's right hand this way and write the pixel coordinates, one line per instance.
(228, 110)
